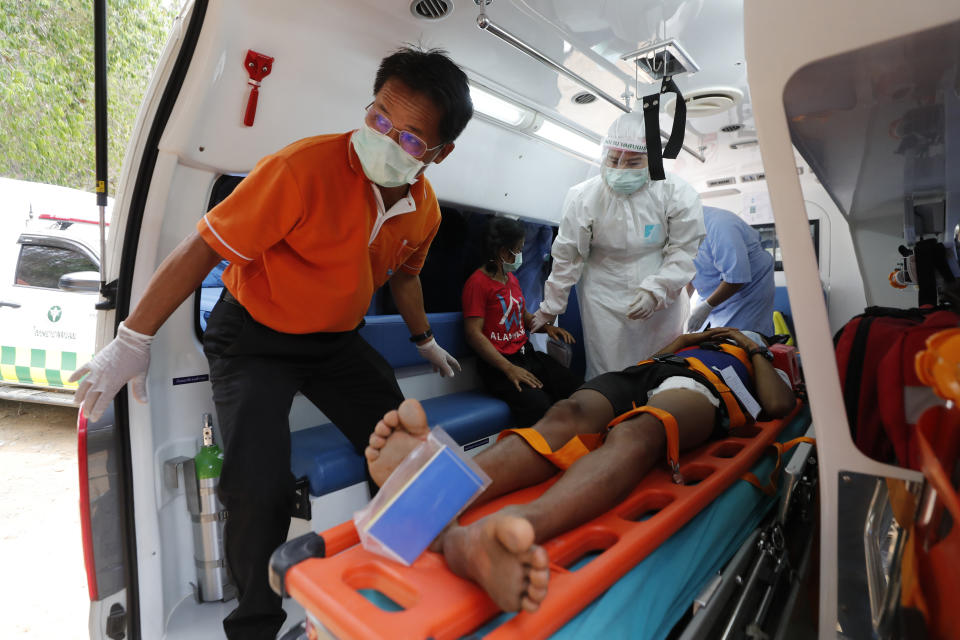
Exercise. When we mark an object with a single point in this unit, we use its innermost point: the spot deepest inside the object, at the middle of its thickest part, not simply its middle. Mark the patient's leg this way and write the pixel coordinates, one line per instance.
(591, 486)
(510, 463)
(600, 480)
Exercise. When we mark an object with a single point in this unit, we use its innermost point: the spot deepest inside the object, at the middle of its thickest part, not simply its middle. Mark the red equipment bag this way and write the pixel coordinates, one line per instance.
(882, 394)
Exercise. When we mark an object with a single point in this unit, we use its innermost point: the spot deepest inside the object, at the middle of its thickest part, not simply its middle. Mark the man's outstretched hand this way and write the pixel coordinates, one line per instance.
(125, 358)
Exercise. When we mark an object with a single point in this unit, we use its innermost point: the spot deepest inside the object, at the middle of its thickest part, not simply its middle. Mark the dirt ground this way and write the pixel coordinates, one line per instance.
(44, 586)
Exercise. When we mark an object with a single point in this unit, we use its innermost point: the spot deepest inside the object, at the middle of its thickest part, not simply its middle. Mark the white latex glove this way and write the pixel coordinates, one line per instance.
(126, 358)
(541, 319)
(698, 315)
(439, 358)
(642, 307)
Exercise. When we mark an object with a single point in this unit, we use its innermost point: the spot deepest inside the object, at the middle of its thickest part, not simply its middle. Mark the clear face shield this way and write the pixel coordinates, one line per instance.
(624, 171)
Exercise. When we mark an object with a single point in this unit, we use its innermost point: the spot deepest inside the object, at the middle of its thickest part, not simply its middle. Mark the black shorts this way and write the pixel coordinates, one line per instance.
(630, 387)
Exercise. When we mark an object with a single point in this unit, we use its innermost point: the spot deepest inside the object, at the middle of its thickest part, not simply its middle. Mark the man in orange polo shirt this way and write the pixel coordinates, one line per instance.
(310, 234)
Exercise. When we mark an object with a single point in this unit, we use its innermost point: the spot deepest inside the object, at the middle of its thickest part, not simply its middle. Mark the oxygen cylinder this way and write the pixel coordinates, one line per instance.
(208, 515)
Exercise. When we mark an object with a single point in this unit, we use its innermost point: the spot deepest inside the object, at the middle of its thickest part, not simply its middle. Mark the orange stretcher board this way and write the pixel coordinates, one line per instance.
(437, 604)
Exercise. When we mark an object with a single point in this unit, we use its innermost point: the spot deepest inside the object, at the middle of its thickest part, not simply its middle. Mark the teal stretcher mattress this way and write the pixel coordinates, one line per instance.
(646, 603)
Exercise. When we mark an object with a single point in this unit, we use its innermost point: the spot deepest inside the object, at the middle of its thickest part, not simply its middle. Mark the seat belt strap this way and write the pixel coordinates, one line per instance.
(562, 458)
(671, 428)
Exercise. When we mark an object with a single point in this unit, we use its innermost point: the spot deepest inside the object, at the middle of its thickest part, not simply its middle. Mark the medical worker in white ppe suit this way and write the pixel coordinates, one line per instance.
(630, 243)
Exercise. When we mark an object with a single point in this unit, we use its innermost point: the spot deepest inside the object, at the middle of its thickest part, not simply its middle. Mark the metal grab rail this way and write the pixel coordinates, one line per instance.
(488, 25)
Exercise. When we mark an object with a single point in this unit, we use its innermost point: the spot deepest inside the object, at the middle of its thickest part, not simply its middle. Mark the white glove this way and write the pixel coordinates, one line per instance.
(126, 358)
(541, 319)
(439, 358)
(698, 315)
(642, 307)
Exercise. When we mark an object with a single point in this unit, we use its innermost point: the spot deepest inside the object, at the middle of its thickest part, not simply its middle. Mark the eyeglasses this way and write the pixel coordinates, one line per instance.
(408, 142)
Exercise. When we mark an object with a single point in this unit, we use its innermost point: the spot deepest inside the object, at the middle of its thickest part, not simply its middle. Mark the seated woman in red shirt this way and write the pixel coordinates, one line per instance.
(495, 320)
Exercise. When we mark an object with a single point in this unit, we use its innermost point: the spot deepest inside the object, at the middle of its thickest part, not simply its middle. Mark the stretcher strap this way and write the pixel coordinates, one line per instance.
(562, 458)
(669, 426)
(779, 448)
(740, 354)
(734, 412)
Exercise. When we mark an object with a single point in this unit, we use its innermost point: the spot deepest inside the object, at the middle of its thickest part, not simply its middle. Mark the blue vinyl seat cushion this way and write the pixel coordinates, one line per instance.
(327, 458)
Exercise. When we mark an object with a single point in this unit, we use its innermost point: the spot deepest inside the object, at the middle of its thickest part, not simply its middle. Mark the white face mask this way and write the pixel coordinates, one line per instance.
(513, 266)
(383, 161)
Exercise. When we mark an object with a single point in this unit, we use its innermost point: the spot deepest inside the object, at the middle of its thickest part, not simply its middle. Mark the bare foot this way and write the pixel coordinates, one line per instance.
(396, 435)
(498, 553)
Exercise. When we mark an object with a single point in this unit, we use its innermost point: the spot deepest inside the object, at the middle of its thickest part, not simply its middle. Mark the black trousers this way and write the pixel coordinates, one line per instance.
(255, 372)
(528, 405)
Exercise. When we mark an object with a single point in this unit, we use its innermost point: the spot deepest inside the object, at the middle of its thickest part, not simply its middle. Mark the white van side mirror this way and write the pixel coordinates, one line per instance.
(80, 281)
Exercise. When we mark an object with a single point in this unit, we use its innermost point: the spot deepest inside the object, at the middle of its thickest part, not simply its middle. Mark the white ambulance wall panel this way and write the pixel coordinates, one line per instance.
(326, 90)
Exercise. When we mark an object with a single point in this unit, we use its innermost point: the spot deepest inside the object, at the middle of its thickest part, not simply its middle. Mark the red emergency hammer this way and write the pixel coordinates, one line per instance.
(259, 67)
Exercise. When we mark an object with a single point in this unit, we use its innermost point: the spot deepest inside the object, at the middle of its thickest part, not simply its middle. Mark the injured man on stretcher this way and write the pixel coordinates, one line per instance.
(673, 402)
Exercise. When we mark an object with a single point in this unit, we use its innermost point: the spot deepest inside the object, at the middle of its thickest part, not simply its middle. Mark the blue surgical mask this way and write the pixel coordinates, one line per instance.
(383, 161)
(625, 181)
(517, 261)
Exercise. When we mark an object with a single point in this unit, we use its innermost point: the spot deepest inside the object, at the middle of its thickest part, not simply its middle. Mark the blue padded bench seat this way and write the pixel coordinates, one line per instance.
(327, 458)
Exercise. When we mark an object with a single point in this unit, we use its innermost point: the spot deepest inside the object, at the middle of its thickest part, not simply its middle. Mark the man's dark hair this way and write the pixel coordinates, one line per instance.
(435, 75)
(502, 233)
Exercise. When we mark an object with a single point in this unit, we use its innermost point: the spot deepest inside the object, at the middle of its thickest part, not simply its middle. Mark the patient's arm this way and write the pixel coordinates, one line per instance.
(776, 398)
(685, 340)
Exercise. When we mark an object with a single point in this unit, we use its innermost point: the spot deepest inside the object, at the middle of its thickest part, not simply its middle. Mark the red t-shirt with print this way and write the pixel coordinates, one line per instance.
(500, 306)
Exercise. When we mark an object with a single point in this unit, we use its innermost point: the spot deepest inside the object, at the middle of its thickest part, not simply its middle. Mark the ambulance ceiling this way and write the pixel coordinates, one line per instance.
(590, 39)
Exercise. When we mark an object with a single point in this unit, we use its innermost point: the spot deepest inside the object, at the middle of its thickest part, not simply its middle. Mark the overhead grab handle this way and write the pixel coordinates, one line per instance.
(485, 23)
(651, 120)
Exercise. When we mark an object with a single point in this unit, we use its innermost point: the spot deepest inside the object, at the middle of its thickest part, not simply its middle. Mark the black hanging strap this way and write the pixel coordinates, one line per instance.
(651, 121)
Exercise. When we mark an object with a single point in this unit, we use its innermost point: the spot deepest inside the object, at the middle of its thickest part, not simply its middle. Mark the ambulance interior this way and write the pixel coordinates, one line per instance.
(851, 130)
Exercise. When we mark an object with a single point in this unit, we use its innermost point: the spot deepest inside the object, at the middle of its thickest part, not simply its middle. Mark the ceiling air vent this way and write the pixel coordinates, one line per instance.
(730, 128)
(720, 182)
(431, 9)
(584, 97)
(709, 101)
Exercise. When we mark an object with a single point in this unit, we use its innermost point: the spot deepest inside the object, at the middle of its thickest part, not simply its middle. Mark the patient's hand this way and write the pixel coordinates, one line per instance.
(733, 334)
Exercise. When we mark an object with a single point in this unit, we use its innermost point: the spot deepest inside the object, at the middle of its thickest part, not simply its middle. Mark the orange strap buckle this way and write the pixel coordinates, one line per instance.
(562, 458)
(671, 428)
(780, 448)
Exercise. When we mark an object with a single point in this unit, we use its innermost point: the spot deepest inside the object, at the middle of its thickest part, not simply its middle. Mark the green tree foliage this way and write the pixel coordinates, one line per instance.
(47, 84)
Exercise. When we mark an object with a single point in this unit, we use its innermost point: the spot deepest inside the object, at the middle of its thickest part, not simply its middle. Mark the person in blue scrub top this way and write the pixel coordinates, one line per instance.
(734, 276)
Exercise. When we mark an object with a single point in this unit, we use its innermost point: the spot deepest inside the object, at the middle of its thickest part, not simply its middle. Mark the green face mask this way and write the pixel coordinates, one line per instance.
(383, 161)
(513, 266)
(625, 181)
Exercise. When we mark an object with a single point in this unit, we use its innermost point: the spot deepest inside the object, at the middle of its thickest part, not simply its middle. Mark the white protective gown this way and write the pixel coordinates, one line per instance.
(615, 245)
